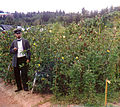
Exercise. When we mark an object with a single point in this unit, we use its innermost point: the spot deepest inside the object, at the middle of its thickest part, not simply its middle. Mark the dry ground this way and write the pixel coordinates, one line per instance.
(8, 98)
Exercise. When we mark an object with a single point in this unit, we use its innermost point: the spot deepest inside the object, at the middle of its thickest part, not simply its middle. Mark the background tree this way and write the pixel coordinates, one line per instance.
(41, 18)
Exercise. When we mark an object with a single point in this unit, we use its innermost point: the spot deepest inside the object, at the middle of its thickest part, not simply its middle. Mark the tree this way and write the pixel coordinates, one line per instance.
(9, 20)
(85, 12)
(45, 17)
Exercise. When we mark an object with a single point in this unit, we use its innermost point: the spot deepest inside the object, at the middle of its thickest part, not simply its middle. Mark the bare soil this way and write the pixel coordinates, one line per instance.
(9, 98)
(8, 101)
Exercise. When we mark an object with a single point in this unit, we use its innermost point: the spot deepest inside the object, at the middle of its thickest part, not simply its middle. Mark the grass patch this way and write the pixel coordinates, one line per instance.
(96, 100)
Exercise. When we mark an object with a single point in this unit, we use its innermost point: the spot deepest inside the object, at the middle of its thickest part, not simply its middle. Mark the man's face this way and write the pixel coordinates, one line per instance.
(18, 35)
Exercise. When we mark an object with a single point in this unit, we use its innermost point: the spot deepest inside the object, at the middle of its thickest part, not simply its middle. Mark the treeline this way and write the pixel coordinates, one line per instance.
(39, 18)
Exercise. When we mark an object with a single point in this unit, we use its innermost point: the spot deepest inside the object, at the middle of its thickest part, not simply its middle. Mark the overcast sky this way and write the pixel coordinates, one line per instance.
(53, 5)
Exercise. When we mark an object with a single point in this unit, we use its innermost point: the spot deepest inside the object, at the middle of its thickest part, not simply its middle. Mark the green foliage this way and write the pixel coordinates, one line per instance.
(79, 57)
(39, 18)
(5, 57)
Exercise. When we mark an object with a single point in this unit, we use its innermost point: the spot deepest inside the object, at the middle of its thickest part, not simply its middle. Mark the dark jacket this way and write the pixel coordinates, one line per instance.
(26, 47)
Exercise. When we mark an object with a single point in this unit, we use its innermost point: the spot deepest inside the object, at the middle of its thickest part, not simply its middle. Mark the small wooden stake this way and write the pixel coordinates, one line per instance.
(107, 81)
(106, 94)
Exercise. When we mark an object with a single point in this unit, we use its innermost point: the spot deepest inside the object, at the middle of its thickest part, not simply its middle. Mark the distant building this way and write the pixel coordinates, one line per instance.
(6, 27)
(5, 14)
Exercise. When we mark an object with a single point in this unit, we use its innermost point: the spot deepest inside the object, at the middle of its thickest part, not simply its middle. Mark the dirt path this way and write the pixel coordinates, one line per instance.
(8, 101)
(8, 98)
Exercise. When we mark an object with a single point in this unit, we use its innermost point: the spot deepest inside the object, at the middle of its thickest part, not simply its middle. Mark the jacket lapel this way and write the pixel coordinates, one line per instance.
(15, 44)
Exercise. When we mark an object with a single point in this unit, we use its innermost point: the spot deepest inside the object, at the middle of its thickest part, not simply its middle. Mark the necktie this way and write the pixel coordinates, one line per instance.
(18, 39)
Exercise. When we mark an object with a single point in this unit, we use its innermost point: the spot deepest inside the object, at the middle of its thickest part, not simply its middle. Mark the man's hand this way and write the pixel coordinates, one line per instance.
(27, 61)
(15, 49)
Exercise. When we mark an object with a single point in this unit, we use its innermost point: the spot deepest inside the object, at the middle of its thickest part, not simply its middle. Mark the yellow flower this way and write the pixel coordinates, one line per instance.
(63, 36)
(34, 44)
(77, 57)
(63, 58)
(42, 79)
(108, 50)
(50, 31)
(39, 65)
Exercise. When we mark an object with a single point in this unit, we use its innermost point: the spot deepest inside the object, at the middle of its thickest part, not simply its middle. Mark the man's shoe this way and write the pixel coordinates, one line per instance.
(18, 90)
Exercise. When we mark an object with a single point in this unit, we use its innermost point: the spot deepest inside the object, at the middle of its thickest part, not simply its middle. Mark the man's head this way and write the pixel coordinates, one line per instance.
(18, 33)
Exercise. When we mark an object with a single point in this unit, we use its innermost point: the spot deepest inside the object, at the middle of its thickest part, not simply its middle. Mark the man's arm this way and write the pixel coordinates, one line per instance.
(13, 49)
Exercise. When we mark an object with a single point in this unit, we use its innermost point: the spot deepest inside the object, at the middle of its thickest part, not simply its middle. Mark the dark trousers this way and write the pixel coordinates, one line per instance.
(23, 67)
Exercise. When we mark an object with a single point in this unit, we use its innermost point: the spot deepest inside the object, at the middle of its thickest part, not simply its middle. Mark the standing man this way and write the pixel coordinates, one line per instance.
(20, 49)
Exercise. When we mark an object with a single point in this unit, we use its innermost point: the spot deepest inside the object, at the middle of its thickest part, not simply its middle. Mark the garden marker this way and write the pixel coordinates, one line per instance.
(34, 81)
(107, 81)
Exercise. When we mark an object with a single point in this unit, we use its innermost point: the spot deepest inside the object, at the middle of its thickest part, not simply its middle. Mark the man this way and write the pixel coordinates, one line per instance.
(20, 49)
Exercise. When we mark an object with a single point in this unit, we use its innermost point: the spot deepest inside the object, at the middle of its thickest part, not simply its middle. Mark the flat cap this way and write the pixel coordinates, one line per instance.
(17, 30)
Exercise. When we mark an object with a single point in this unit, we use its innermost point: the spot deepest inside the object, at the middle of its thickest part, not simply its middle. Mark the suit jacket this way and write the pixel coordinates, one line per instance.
(26, 47)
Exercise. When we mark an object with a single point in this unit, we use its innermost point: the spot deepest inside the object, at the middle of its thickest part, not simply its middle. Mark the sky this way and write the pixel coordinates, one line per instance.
(52, 5)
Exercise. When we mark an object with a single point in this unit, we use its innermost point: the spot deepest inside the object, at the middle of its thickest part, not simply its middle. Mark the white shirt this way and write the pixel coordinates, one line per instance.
(20, 49)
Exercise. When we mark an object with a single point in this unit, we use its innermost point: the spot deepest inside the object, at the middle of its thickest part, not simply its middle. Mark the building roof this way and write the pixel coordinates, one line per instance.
(6, 27)
(5, 14)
